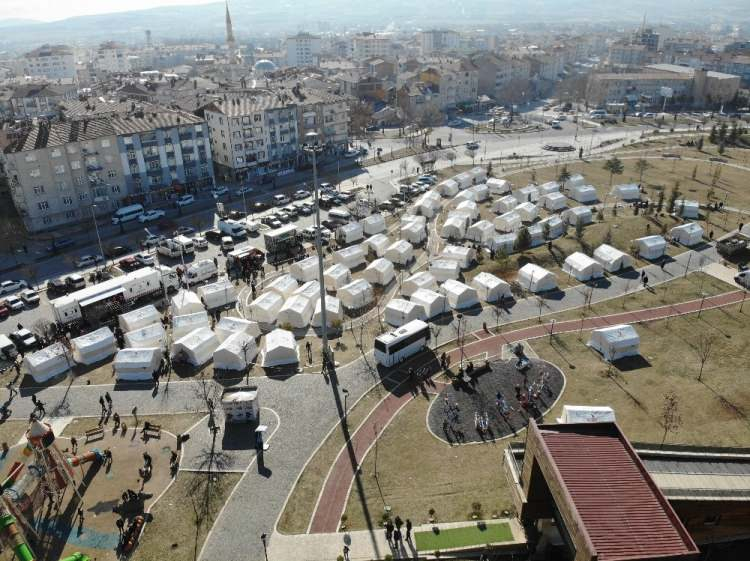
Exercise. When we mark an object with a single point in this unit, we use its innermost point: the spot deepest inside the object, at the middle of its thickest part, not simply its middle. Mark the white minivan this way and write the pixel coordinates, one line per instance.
(126, 214)
(201, 270)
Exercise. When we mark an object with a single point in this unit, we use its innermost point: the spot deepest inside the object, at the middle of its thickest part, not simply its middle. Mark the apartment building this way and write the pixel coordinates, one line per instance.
(302, 49)
(438, 40)
(453, 86)
(368, 45)
(111, 58)
(504, 78)
(50, 62)
(39, 100)
(626, 54)
(325, 114)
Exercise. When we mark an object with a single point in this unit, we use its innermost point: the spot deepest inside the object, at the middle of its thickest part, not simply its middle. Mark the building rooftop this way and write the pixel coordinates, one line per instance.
(237, 106)
(36, 90)
(49, 50)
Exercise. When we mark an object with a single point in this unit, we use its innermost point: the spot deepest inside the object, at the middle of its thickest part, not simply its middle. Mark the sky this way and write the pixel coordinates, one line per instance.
(50, 10)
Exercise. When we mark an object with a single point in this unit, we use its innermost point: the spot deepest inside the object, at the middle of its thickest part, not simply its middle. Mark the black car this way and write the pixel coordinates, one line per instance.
(259, 206)
(56, 287)
(214, 236)
(372, 128)
(117, 251)
(60, 244)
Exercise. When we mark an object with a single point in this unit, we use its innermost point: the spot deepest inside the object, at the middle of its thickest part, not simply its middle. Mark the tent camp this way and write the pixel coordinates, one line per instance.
(433, 303)
(351, 257)
(578, 215)
(132, 365)
(140, 317)
(502, 242)
(334, 312)
(400, 252)
(448, 188)
(336, 276)
(297, 311)
(413, 233)
(94, 346)
(285, 285)
(229, 325)
(555, 224)
(454, 228)
(584, 194)
(612, 259)
(459, 295)
(687, 234)
(279, 349)
(650, 247)
(235, 352)
(481, 231)
(586, 414)
(305, 270)
(182, 325)
(423, 279)
(536, 279)
(309, 290)
(615, 342)
(186, 302)
(350, 233)
(687, 209)
(444, 269)
(265, 308)
(47, 363)
(373, 224)
(398, 312)
(377, 244)
(218, 294)
(464, 180)
(355, 295)
(197, 347)
(380, 271)
(499, 186)
(527, 211)
(504, 204)
(490, 288)
(582, 267)
(478, 174)
(508, 222)
(575, 180)
(150, 336)
(528, 194)
(549, 188)
(555, 201)
(469, 207)
(465, 256)
(627, 192)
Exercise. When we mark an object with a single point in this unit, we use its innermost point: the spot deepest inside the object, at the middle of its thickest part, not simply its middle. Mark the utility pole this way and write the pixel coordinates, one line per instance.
(98, 237)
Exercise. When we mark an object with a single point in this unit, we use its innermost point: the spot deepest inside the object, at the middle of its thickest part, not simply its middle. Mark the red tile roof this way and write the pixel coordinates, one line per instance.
(623, 512)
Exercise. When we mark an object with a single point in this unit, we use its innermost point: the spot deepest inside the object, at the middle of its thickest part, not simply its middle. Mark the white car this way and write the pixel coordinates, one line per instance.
(301, 194)
(88, 260)
(200, 242)
(185, 200)
(145, 259)
(151, 240)
(280, 200)
(151, 215)
(30, 297)
(14, 303)
(219, 192)
(6, 287)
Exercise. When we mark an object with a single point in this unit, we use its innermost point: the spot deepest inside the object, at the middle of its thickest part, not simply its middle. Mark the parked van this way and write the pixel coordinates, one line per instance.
(340, 215)
(186, 244)
(201, 270)
(8, 350)
(232, 228)
(127, 214)
(227, 243)
(74, 281)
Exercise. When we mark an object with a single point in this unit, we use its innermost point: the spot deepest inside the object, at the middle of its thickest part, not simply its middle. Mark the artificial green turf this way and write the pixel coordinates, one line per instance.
(468, 536)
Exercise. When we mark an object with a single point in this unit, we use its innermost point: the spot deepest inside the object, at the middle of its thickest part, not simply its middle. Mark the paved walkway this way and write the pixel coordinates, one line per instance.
(336, 489)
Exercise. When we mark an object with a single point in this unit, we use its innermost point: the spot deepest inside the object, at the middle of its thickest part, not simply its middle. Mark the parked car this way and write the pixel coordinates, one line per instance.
(88, 260)
(372, 128)
(185, 200)
(60, 244)
(219, 192)
(291, 209)
(128, 264)
(30, 297)
(428, 179)
(145, 258)
(472, 145)
(385, 205)
(183, 231)
(306, 210)
(200, 242)
(6, 287)
(280, 200)
(151, 215)
(345, 197)
(326, 187)
(56, 287)
(151, 240)
(301, 194)
(259, 207)
(24, 339)
(283, 217)
(117, 251)
(74, 281)
(14, 303)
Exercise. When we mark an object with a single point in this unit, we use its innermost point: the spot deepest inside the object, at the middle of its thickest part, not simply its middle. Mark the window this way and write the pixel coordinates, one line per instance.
(238, 147)
(133, 169)
(61, 185)
(70, 214)
(83, 196)
(71, 149)
(67, 201)
(105, 143)
(75, 164)
(257, 118)
(59, 170)
(35, 172)
(131, 154)
(204, 170)
(78, 181)
(173, 174)
(46, 220)
(198, 128)
(154, 180)
(112, 173)
(30, 157)
(55, 153)
(39, 190)
(43, 205)
(153, 164)
(128, 141)
(188, 172)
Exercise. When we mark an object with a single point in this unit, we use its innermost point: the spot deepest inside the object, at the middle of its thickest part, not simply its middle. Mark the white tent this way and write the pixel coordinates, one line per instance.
(400, 252)
(433, 303)
(502, 242)
(549, 188)
(229, 325)
(235, 352)
(478, 174)
(146, 337)
(481, 192)
(140, 317)
(399, 312)
(279, 349)
(45, 364)
(413, 218)
(464, 180)
(508, 222)
(454, 228)
(527, 211)
(377, 244)
(309, 290)
(351, 257)
(197, 347)
(350, 233)
(504, 204)
(297, 311)
(459, 295)
(687, 234)
(186, 302)
(537, 235)
(651, 247)
(448, 188)
(357, 294)
(582, 267)
(536, 279)
(467, 195)
(575, 181)
(528, 194)
(373, 224)
(304, 270)
(490, 288)
(94, 346)
(555, 201)
(499, 186)
(336, 276)
(745, 230)
(413, 233)
(578, 214)
(615, 342)
(444, 269)
(686, 208)
(556, 226)
(627, 192)
(334, 312)
(428, 205)
(423, 279)
(465, 256)
(584, 193)
(132, 365)
(586, 414)
(612, 259)
(285, 285)
(218, 294)
(380, 271)
(182, 325)
(265, 308)
(480, 231)
(469, 207)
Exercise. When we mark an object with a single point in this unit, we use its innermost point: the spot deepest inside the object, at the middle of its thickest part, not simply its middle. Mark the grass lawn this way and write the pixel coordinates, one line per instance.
(451, 538)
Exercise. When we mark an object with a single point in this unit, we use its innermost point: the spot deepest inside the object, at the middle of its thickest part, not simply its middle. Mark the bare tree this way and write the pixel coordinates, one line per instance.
(670, 415)
(435, 329)
(472, 154)
(450, 155)
(497, 311)
(704, 349)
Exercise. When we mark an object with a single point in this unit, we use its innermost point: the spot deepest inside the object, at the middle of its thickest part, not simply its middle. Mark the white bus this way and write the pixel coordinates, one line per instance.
(396, 346)
(126, 214)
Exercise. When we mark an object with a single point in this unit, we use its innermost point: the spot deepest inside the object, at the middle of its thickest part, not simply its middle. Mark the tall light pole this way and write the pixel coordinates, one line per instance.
(312, 146)
(98, 237)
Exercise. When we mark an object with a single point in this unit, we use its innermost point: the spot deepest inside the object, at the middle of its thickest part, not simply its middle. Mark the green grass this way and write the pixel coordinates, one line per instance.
(481, 534)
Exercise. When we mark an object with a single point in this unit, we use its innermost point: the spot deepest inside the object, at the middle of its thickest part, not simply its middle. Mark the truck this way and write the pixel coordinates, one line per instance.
(283, 245)
(100, 302)
(232, 228)
(201, 270)
(245, 258)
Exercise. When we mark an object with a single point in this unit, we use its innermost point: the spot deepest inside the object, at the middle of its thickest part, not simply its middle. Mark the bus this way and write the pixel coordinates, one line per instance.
(126, 214)
(396, 346)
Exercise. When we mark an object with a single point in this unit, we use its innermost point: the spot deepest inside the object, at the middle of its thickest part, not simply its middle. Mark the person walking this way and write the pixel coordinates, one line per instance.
(397, 537)
(308, 347)
(101, 404)
(346, 553)
(408, 530)
(389, 531)
(73, 445)
(40, 408)
(108, 399)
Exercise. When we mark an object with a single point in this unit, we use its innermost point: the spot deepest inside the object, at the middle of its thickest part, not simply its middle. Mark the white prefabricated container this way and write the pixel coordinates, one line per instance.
(135, 365)
(265, 308)
(469, 207)
(334, 312)
(464, 180)
(586, 414)
(351, 257)
(304, 270)
(284, 286)
(357, 294)
(218, 294)
(555, 201)
(380, 271)
(350, 233)
(236, 352)
(504, 204)
(627, 192)
(502, 242)
(47, 363)
(444, 269)
(186, 302)
(549, 188)
(448, 188)
(336, 276)
(229, 325)
(182, 325)
(279, 349)
(399, 312)
(687, 234)
(499, 186)
(423, 279)
(528, 194)
(141, 317)
(465, 256)
(377, 244)
(556, 226)
(481, 231)
(508, 222)
(94, 346)
(152, 335)
(459, 295)
(584, 194)
(433, 303)
(373, 224)
(454, 228)
(490, 288)
(297, 311)
(578, 215)
(582, 267)
(612, 259)
(400, 252)
(478, 174)
(686, 208)
(309, 290)
(198, 346)
(536, 279)
(527, 211)
(615, 342)
(651, 247)
(413, 233)
(575, 180)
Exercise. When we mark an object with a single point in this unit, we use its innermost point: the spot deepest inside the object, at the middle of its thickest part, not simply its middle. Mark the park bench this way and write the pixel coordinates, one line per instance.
(94, 434)
(151, 430)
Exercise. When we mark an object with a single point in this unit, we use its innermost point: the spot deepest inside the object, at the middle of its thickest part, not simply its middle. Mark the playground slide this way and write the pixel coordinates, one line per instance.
(12, 536)
(90, 456)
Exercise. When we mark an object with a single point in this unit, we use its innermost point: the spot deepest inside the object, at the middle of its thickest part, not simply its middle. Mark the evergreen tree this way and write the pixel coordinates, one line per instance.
(523, 240)
(712, 135)
(660, 201)
(564, 176)
(614, 167)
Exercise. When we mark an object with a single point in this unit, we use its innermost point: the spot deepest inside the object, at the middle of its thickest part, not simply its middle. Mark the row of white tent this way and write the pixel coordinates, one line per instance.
(285, 302)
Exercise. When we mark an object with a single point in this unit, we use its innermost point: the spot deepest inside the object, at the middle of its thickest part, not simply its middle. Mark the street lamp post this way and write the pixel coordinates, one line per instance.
(98, 237)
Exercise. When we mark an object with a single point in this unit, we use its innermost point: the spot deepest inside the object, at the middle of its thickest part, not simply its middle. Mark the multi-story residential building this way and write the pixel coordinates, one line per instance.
(648, 38)
(253, 135)
(40, 100)
(111, 58)
(505, 78)
(627, 54)
(438, 41)
(325, 114)
(368, 45)
(50, 62)
(452, 86)
(302, 49)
